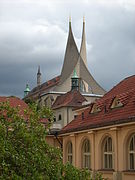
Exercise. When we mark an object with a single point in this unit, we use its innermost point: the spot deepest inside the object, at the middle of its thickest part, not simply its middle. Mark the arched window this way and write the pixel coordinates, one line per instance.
(108, 153)
(48, 101)
(86, 159)
(131, 153)
(69, 153)
(59, 118)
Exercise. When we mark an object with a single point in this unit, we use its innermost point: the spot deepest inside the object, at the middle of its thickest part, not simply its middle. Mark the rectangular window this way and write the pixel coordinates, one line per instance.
(105, 161)
(110, 161)
(131, 161)
(70, 158)
(86, 161)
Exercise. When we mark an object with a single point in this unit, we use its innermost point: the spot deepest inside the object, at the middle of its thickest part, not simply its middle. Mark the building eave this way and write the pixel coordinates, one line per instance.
(105, 125)
(92, 95)
(52, 92)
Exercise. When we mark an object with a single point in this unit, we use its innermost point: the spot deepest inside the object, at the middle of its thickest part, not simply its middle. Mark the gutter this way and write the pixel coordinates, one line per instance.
(53, 92)
(92, 95)
(129, 121)
(55, 134)
(84, 94)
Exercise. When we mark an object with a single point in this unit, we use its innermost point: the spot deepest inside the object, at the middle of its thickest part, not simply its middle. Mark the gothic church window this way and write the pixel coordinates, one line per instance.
(49, 101)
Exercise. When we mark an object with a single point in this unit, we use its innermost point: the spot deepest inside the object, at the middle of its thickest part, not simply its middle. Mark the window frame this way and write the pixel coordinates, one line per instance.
(131, 152)
(107, 153)
(70, 152)
(86, 154)
(116, 103)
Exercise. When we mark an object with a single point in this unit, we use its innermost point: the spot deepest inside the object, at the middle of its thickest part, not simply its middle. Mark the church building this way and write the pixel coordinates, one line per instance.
(96, 130)
(74, 76)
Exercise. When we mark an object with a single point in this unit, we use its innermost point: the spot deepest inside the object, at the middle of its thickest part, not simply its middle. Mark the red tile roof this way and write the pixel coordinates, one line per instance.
(35, 92)
(71, 98)
(44, 120)
(125, 91)
(15, 102)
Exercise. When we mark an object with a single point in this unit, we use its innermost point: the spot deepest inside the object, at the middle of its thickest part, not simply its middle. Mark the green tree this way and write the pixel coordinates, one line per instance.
(24, 153)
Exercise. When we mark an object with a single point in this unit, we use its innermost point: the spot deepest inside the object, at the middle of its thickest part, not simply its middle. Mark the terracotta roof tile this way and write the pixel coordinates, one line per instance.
(15, 102)
(44, 120)
(35, 92)
(71, 98)
(125, 91)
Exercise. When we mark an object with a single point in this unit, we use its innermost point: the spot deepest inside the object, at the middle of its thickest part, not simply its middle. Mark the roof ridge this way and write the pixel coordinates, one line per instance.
(121, 86)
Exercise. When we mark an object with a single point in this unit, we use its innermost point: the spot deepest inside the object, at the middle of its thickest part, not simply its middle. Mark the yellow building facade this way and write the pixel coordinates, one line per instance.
(109, 151)
(102, 138)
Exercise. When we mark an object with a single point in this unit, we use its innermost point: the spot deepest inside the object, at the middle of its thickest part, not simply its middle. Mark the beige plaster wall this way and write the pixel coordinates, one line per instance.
(90, 98)
(66, 113)
(120, 138)
(64, 87)
(51, 140)
(128, 176)
(47, 99)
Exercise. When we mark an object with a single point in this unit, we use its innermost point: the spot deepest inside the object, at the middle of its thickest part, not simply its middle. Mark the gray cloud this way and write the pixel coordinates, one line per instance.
(34, 33)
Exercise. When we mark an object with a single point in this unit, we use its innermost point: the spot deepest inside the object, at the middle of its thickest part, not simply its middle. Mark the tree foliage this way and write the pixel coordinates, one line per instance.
(24, 153)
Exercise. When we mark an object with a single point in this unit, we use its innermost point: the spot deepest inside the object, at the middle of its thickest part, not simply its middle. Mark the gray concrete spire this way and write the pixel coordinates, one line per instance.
(38, 77)
(75, 60)
(83, 53)
(71, 56)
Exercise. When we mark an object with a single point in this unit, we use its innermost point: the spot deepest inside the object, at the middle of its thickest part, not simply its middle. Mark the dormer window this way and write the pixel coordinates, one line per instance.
(95, 108)
(116, 103)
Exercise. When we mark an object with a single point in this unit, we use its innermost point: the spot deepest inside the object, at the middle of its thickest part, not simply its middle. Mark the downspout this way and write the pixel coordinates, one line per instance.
(56, 135)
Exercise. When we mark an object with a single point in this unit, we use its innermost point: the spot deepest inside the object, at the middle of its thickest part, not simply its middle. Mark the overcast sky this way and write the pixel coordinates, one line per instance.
(34, 32)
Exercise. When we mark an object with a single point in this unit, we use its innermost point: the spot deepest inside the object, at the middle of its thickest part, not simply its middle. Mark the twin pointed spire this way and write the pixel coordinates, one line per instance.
(83, 53)
(69, 21)
(72, 54)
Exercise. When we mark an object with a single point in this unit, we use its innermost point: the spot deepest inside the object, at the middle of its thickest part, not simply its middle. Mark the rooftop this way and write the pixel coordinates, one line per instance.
(35, 92)
(71, 98)
(125, 92)
(15, 102)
